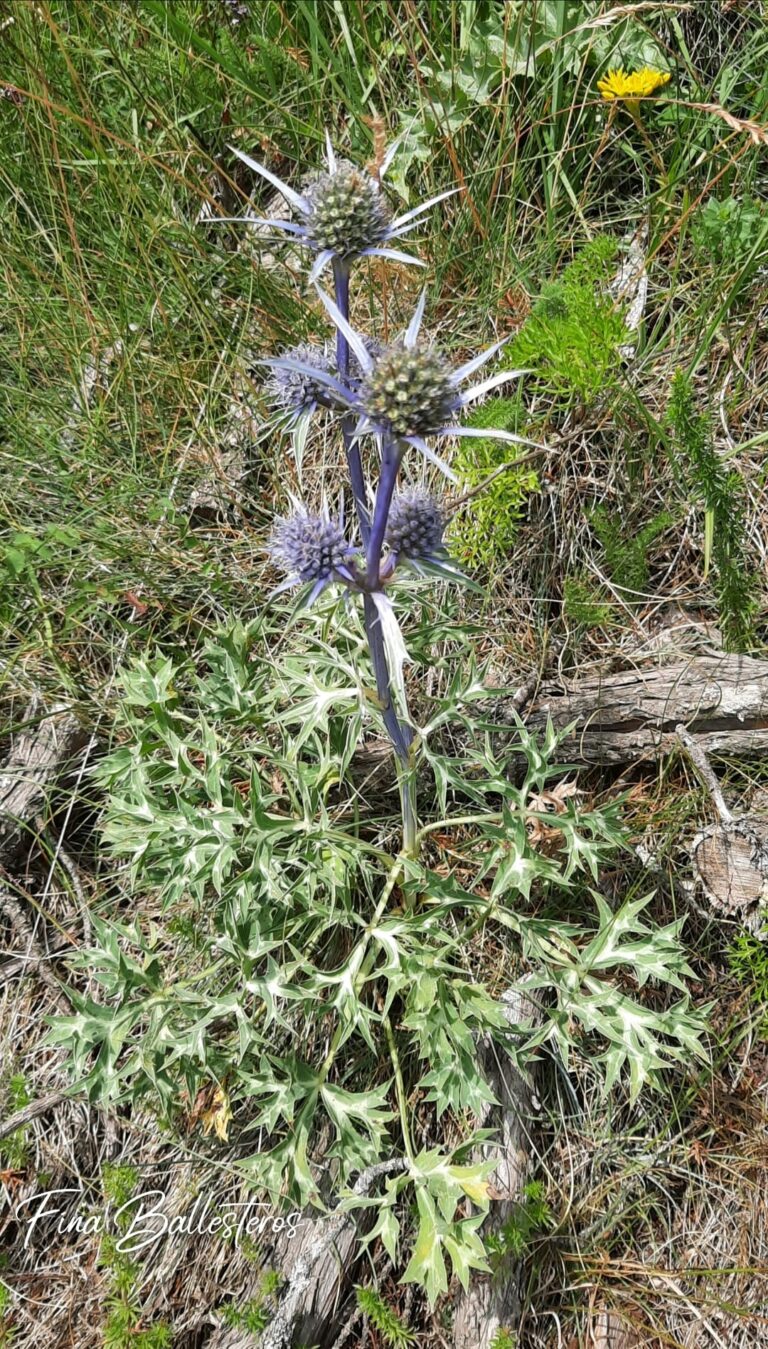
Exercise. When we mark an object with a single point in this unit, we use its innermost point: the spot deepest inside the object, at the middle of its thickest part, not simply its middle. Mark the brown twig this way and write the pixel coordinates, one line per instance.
(36, 957)
(700, 761)
(29, 1112)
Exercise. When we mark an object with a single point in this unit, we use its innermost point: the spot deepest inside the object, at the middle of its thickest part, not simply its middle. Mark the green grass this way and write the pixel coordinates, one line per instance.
(117, 138)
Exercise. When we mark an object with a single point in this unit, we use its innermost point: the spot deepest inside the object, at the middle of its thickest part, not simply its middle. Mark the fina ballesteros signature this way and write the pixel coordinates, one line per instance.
(142, 1220)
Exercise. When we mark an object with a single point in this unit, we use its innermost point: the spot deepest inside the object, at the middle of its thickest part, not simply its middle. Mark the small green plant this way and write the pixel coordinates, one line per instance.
(14, 1149)
(725, 231)
(626, 550)
(6, 1329)
(255, 1314)
(529, 1217)
(748, 960)
(504, 1339)
(119, 1184)
(571, 339)
(583, 603)
(384, 1318)
(484, 532)
(122, 1328)
(721, 491)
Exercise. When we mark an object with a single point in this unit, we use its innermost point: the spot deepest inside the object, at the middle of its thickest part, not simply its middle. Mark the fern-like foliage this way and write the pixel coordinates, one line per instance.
(626, 551)
(484, 533)
(720, 489)
(504, 1339)
(583, 603)
(529, 1216)
(571, 339)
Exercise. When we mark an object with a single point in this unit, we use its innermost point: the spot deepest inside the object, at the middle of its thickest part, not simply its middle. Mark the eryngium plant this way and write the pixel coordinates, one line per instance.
(400, 395)
(325, 989)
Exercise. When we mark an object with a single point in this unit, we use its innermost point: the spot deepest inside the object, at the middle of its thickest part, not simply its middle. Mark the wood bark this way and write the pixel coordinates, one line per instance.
(37, 757)
(492, 1303)
(721, 700)
(317, 1264)
(730, 857)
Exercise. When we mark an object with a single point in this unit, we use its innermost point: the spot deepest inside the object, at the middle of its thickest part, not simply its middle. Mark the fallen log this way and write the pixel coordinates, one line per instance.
(38, 756)
(720, 699)
(492, 1304)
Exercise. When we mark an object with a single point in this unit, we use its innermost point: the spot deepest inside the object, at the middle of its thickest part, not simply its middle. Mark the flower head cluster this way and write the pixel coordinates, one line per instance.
(342, 212)
(348, 212)
(642, 83)
(310, 548)
(415, 526)
(295, 389)
(409, 392)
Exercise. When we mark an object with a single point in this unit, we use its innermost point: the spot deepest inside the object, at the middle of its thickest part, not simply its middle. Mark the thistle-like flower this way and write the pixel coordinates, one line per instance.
(342, 212)
(295, 390)
(348, 212)
(414, 535)
(409, 391)
(311, 549)
(415, 526)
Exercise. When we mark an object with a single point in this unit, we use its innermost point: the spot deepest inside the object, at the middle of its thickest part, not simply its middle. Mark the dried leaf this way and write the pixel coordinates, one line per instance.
(756, 132)
(216, 1118)
(551, 802)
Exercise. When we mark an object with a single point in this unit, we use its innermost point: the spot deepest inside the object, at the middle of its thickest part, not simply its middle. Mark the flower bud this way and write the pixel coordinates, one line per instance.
(348, 212)
(308, 547)
(409, 392)
(295, 391)
(415, 525)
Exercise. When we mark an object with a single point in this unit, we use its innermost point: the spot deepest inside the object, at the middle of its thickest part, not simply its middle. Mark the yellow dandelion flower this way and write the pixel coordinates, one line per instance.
(617, 84)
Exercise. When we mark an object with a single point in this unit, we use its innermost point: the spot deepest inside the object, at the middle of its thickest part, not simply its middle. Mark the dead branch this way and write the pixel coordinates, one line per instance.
(320, 1270)
(721, 701)
(492, 1303)
(31, 1111)
(37, 757)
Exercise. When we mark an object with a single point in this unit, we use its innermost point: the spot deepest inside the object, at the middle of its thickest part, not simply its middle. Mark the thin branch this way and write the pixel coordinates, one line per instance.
(454, 506)
(703, 767)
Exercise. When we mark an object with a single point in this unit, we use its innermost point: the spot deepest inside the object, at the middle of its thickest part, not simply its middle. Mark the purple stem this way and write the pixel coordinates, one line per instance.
(373, 541)
(400, 736)
(391, 455)
(354, 462)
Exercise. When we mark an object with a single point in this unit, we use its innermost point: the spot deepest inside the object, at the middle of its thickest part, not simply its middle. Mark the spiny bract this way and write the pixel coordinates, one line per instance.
(415, 525)
(309, 547)
(348, 211)
(410, 392)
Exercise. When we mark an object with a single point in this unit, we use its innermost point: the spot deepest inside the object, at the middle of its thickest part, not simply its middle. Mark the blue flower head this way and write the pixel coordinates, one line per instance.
(295, 390)
(415, 527)
(342, 212)
(311, 549)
